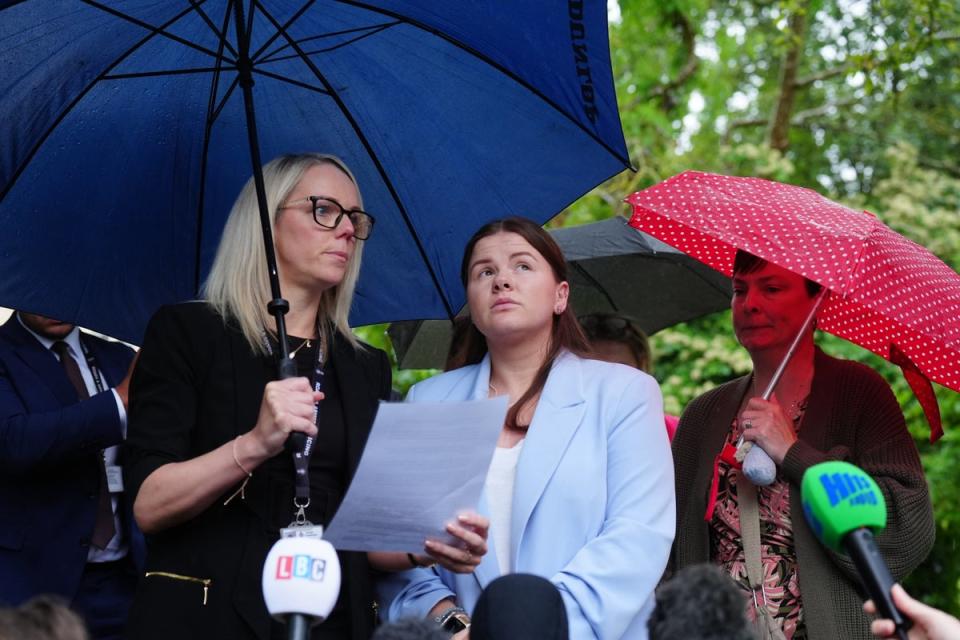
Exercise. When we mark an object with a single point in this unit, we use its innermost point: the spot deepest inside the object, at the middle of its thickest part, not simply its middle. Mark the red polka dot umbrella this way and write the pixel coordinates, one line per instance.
(888, 294)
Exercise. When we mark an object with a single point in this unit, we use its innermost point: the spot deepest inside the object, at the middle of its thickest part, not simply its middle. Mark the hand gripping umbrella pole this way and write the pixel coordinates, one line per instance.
(757, 465)
(286, 368)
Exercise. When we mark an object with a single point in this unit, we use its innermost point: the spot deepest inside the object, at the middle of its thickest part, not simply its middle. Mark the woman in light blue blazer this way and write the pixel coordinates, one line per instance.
(580, 490)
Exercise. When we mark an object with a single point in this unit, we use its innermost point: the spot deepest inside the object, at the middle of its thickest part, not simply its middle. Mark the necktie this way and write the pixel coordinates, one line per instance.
(103, 528)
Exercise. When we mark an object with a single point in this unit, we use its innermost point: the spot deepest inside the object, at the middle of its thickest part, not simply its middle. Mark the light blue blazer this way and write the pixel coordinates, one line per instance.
(593, 503)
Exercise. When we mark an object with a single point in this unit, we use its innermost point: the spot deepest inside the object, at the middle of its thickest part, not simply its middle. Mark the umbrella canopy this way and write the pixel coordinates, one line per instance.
(125, 137)
(888, 294)
(613, 268)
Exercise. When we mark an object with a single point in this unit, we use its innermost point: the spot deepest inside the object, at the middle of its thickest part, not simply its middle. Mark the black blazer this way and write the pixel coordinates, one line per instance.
(50, 443)
(197, 386)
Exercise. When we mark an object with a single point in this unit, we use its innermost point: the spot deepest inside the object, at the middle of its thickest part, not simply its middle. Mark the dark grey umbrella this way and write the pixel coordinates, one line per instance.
(613, 268)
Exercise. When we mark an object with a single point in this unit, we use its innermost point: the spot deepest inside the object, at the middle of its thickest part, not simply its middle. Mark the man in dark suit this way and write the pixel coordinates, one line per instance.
(65, 525)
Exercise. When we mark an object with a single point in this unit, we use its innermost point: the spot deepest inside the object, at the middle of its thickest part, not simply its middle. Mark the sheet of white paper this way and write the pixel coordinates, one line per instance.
(423, 464)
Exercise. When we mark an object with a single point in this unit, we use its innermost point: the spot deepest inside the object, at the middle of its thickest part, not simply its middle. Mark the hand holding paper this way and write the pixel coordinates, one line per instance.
(423, 464)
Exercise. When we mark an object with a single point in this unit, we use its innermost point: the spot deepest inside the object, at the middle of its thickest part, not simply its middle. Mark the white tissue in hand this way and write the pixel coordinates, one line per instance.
(758, 467)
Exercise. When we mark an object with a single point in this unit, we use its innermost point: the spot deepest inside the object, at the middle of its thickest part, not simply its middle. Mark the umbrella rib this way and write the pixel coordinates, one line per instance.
(373, 158)
(221, 34)
(599, 287)
(213, 110)
(496, 65)
(255, 56)
(154, 30)
(725, 291)
(368, 31)
(171, 72)
(226, 96)
(296, 83)
(80, 95)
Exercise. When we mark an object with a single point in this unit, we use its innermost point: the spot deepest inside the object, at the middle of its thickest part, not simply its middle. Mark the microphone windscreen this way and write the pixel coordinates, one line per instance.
(301, 575)
(838, 498)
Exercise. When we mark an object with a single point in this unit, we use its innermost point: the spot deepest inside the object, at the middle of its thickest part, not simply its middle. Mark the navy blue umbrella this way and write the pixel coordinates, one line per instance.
(124, 136)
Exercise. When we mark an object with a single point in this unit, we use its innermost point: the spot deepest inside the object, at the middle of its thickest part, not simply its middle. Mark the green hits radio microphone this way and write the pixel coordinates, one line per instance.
(844, 506)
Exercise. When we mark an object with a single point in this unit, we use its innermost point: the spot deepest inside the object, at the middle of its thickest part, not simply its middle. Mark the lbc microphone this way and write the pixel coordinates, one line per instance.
(843, 506)
(301, 582)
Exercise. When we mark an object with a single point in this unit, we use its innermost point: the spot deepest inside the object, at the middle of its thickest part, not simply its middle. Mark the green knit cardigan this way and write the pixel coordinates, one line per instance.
(853, 416)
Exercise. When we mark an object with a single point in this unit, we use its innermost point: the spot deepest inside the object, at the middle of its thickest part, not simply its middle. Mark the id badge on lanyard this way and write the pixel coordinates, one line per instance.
(113, 472)
(92, 365)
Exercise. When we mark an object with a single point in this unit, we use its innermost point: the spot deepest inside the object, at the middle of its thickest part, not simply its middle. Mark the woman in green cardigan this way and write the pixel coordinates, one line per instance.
(822, 409)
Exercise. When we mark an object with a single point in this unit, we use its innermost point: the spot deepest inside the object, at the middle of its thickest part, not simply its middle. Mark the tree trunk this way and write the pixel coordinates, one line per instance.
(780, 123)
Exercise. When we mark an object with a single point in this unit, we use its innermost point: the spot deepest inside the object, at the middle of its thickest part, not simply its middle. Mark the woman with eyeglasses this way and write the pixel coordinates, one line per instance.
(208, 422)
(616, 338)
(580, 489)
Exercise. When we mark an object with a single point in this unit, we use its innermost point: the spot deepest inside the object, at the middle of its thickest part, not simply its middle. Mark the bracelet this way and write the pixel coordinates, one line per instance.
(243, 485)
(236, 459)
(414, 564)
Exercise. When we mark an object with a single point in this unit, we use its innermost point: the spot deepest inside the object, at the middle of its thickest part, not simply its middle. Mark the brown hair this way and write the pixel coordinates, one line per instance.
(745, 262)
(566, 332)
(613, 327)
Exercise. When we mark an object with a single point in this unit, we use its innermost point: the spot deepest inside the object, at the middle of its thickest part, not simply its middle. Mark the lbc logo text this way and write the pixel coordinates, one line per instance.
(301, 566)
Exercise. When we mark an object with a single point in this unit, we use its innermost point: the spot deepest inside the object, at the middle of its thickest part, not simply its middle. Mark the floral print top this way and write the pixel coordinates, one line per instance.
(778, 557)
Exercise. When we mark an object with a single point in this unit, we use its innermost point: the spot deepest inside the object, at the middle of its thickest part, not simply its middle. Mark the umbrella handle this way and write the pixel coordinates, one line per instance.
(287, 368)
(759, 467)
(296, 441)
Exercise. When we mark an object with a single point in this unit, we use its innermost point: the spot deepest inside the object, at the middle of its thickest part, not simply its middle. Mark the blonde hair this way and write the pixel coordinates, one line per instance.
(238, 285)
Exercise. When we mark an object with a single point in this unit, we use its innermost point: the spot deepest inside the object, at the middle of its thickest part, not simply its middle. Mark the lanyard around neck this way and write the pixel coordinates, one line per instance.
(92, 365)
(301, 457)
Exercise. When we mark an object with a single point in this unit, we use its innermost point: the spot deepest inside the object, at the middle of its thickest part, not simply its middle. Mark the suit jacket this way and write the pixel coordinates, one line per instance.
(593, 503)
(197, 386)
(852, 415)
(50, 444)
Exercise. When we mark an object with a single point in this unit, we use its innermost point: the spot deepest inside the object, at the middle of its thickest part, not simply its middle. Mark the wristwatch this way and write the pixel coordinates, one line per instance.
(453, 620)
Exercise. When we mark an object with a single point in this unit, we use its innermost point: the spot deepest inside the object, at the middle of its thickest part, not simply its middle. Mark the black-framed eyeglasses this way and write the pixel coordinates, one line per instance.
(328, 213)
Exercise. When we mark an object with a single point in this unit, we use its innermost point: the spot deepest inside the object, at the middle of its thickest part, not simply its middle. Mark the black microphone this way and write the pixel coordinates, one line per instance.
(843, 506)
